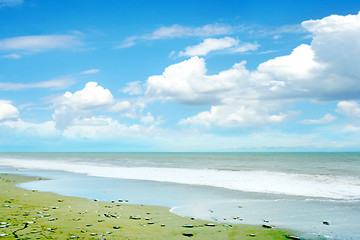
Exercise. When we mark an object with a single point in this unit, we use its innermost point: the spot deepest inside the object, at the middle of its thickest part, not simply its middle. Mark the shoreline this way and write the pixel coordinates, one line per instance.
(42, 214)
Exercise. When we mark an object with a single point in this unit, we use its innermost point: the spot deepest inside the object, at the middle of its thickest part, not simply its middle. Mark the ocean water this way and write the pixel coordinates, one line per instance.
(293, 190)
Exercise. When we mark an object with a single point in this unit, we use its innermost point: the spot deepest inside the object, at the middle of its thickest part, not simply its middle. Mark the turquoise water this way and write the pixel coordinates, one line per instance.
(295, 190)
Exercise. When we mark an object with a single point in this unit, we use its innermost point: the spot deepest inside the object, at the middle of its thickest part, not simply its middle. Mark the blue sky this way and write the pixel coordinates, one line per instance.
(114, 76)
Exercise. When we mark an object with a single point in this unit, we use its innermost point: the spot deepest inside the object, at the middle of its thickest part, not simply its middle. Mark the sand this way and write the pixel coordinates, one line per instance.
(26, 214)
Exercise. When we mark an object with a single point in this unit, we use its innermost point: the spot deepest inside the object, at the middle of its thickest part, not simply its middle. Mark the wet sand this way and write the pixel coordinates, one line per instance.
(41, 215)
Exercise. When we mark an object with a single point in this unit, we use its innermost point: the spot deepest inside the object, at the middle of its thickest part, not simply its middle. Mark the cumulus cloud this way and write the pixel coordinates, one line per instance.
(133, 88)
(39, 42)
(350, 109)
(57, 83)
(245, 114)
(324, 70)
(70, 106)
(327, 118)
(178, 31)
(8, 111)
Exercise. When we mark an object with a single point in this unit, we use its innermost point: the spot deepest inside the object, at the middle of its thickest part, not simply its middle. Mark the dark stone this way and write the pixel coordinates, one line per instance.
(266, 226)
(188, 226)
(116, 227)
(326, 223)
(293, 237)
(188, 234)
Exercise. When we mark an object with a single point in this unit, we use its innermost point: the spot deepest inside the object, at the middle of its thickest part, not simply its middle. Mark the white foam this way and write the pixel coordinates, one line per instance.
(250, 181)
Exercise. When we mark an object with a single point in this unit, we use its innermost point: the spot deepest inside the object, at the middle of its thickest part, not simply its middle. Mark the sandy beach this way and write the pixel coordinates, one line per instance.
(32, 214)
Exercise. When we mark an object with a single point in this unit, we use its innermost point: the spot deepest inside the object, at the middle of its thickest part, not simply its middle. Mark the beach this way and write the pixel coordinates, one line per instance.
(32, 214)
(316, 195)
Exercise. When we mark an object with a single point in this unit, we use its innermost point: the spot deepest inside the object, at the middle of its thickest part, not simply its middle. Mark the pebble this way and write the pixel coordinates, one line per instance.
(150, 222)
(188, 234)
(266, 226)
(52, 219)
(73, 237)
(116, 227)
(210, 225)
(188, 226)
(293, 237)
(326, 223)
(252, 235)
(93, 234)
(135, 217)
(162, 225)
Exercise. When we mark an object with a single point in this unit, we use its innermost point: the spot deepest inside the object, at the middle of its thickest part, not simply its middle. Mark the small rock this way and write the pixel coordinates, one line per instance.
(293, 237)
(266, 226)
(188, 226)
(93, 234)
(326, 223)
(73, 237)
(150, 223)
(162, 225)
(52, 219)
(116, 227)
(266, 221)
(210, 225)
(252, 235)
(60, 200)
(135, 217)
(188, 234)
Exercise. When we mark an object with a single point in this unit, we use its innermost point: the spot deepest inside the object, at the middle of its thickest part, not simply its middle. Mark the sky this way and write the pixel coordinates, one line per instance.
(179, 76)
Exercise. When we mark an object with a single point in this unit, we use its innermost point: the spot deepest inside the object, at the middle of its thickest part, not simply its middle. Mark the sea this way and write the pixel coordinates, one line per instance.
(317, 195)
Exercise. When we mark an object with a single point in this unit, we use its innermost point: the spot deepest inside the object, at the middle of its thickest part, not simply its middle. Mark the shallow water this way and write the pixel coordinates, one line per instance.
(298, 191)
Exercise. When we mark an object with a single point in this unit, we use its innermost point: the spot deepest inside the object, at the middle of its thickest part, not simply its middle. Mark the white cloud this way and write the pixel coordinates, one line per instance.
(350, 109)
(208, 45)
(148, 119)
(325, 70)
(57, 83)
(178, 31)
(133, 88)
(8, 111)
(120, 106)
(91, 71)
(245, 114)
(12, 56)
(327, 118)
(232, 45)
(351, 128)
(39, 42)
(10, 3)
(299, 65)
(71, 106)
(245, 47)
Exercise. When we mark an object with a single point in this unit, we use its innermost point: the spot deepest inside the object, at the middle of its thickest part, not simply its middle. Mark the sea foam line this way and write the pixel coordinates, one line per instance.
(248, 181)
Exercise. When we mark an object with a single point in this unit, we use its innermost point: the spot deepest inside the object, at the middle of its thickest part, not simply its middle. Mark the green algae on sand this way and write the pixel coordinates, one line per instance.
(26, 214)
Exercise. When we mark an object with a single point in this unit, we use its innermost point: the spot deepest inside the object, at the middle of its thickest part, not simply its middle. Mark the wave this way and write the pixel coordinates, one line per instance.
(261, 181)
